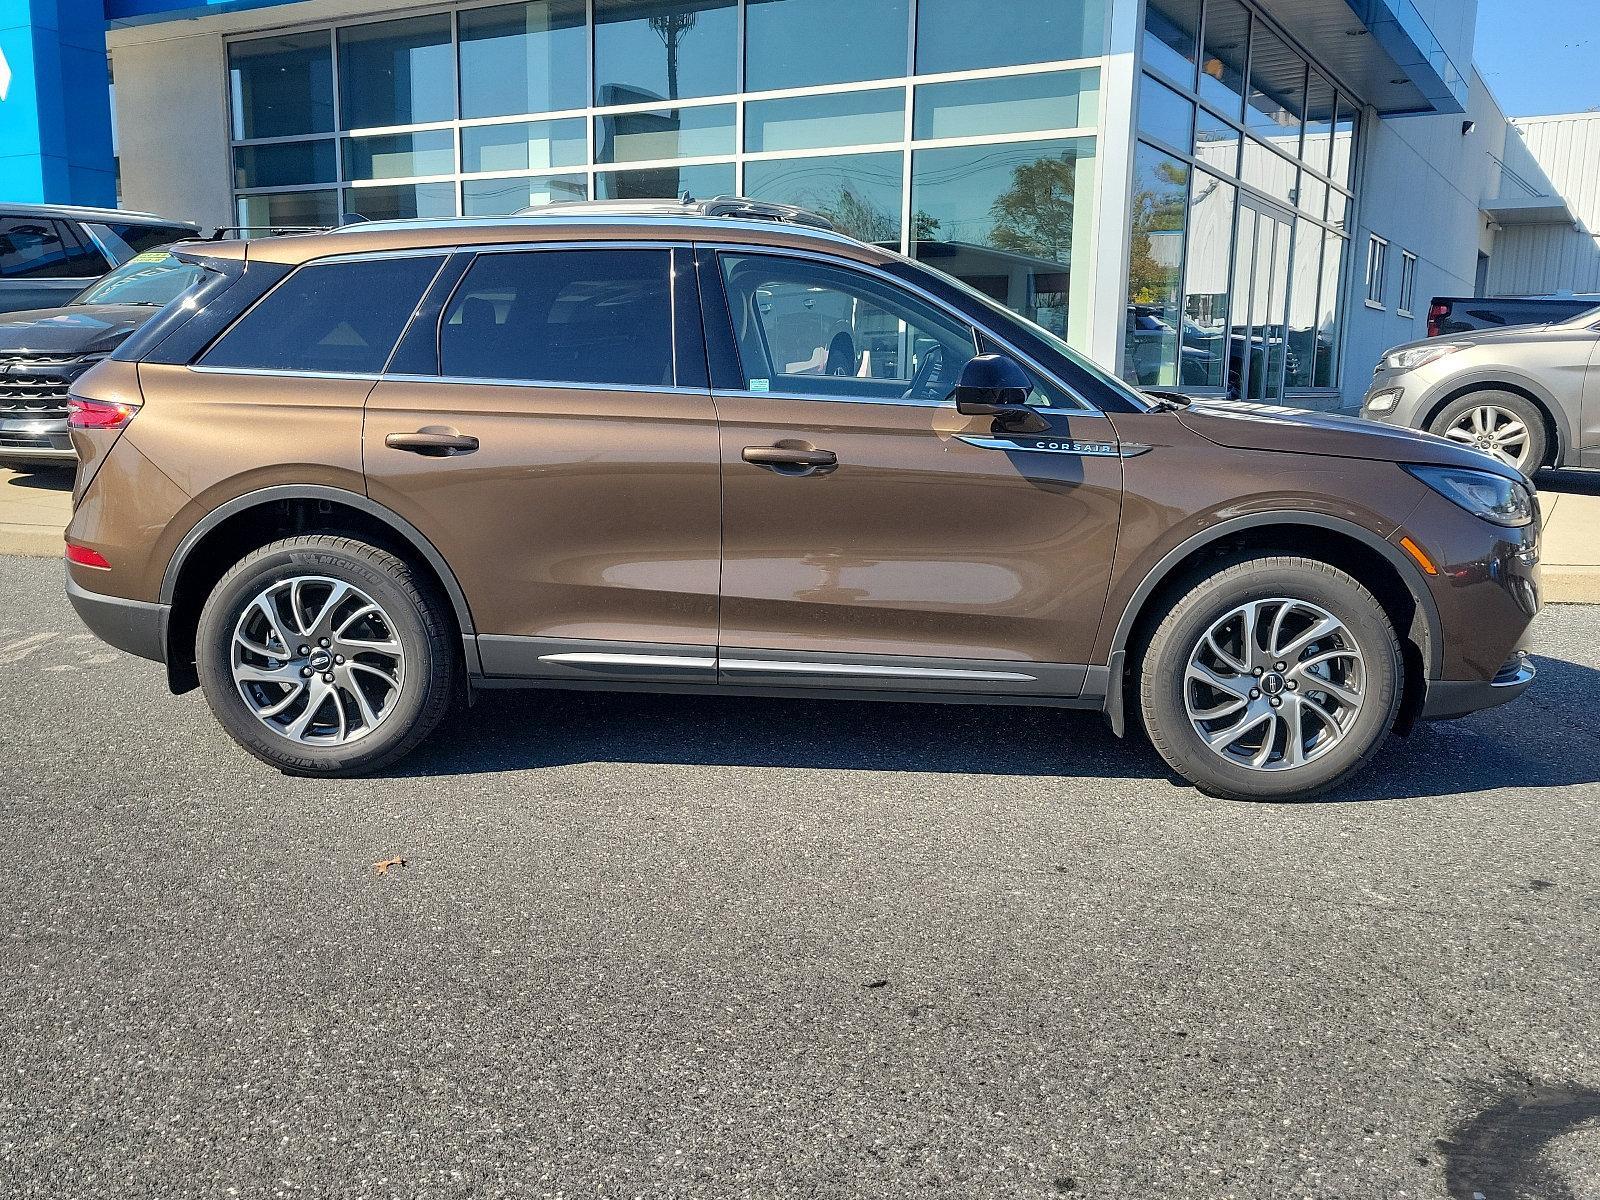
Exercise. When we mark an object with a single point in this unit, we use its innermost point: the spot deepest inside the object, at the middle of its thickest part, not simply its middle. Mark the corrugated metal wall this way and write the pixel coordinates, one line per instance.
(1533, 259)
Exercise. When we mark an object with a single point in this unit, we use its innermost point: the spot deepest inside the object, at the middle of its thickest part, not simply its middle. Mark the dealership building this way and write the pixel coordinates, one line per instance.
(1206, 194)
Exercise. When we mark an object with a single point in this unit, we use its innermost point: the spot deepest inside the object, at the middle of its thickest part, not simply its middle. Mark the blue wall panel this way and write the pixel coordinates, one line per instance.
(55, 120)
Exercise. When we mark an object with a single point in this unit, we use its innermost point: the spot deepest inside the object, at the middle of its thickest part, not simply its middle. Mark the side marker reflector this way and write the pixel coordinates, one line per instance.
(1419, 554)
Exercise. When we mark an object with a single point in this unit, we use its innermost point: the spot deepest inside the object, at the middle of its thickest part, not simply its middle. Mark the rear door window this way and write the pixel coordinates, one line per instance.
(126, 240)
(580, 317)
(140, 238)
(38, 248)
(335, 317)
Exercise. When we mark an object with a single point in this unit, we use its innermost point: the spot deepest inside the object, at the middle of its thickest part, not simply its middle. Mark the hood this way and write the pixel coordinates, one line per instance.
(1482, 337)
(1242, 426)
(74, 329)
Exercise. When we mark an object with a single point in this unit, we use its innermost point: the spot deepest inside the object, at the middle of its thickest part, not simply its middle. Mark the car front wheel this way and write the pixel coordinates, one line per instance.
(1502, 425)
(1272, 679)
(323, 655)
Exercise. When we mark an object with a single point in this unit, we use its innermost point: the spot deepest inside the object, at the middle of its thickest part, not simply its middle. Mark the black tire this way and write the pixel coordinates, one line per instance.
(1537, 452)
(1166, 660)
(419, 621)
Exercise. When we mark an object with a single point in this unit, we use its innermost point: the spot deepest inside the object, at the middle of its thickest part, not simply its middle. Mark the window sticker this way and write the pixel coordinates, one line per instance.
(760, 385)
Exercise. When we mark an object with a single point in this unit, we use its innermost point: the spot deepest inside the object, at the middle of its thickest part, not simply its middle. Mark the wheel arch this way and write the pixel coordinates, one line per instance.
(250, 520)
(1378, 564)
(1558, 434)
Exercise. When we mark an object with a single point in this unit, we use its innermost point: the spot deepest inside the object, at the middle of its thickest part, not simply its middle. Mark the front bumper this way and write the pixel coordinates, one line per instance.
(1397, 394)
(46, 441)
(133, 625)
(1447, 699)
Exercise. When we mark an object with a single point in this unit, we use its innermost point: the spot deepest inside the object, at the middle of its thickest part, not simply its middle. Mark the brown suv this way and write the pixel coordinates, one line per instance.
(351, 478)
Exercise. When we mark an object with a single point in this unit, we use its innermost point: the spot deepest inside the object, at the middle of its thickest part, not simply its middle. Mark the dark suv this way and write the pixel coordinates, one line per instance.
(51, 252)
(351, 478)
(43, 350)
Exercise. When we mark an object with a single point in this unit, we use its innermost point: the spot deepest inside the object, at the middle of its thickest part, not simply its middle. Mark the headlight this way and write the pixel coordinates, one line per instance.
(1482, 493)
(1418, 356)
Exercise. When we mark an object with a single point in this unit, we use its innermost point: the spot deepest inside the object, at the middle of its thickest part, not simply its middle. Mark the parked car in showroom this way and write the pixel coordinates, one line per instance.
(1529, 396)
(43, 351)
(354, 478)
(50, 252)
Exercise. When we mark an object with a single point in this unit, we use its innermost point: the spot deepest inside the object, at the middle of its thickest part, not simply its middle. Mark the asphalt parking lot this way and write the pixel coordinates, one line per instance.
(669, 947)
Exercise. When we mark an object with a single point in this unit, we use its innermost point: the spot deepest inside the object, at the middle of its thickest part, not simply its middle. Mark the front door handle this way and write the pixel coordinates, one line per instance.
(791, 455)
(433, 442)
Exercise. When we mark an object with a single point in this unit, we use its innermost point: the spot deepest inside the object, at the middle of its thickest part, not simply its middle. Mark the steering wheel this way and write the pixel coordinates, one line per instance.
(929, 381)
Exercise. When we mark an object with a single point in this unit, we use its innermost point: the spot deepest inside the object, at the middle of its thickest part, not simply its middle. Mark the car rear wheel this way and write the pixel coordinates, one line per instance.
(1502, 424)
(323, 655)
(1273, 679)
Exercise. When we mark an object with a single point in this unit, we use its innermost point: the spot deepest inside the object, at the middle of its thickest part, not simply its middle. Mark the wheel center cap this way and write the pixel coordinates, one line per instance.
(320, 660)
(1271, 683)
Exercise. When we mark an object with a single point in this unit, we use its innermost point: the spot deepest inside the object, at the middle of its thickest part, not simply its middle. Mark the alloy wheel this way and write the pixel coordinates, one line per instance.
(1274, 684)
(317, 660)
(1493, 430)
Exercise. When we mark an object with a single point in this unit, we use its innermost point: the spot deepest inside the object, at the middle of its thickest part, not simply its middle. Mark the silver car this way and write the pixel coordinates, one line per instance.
(1530, 396)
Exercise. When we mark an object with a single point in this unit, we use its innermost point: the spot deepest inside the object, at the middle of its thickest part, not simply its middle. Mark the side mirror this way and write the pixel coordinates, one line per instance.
(992, 385)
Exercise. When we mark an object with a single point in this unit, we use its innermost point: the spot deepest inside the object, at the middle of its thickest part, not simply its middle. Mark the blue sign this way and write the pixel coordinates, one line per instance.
(55, 103)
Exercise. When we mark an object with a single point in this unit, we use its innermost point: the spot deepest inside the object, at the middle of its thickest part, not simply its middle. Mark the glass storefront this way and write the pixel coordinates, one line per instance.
(960, 131)
(1243, 177)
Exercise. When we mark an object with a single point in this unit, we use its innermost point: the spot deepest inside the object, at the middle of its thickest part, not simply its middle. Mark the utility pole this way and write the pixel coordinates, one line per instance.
(671, 29)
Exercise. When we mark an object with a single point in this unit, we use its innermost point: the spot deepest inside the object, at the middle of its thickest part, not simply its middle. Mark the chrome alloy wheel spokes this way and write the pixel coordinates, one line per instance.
(1274, 684)
(1493, 430)
(317, 661)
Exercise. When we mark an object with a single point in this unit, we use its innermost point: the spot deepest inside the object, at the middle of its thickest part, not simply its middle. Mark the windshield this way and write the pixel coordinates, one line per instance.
(151, 279)
(1135, 397)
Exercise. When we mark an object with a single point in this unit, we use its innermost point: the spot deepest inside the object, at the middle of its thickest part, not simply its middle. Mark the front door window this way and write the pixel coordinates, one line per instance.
(812, 329)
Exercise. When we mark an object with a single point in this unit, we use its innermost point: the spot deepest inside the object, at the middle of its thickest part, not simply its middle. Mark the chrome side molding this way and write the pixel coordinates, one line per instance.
(1035, 444)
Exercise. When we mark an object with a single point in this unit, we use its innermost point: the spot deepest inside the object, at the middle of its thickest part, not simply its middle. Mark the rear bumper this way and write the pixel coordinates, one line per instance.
(1449, 698)
(131, 625)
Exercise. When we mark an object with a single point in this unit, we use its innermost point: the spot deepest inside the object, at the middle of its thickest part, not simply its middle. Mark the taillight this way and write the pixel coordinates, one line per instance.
(1437, 312)
(86, 557)
(98, 414)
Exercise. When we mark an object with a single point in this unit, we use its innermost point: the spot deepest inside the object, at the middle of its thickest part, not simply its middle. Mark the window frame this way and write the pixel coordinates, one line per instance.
(1339, 194)
(1377, 272)
(1408, 284)
(723, 347)
(345, 191)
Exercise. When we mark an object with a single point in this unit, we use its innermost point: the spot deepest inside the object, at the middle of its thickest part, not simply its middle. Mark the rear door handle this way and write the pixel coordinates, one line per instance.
(790, 456)
(435, 443)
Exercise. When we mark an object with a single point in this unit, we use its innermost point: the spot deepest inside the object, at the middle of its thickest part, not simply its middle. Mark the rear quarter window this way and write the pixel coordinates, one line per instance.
(336, 317)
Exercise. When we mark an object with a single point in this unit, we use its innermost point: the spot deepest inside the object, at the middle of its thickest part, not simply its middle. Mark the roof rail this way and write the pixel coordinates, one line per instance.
(739, 207)
(226, 232)
(764, 210)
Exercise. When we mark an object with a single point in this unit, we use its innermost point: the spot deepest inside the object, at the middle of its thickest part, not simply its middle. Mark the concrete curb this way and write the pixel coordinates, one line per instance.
(30, 541)
(1570, 585)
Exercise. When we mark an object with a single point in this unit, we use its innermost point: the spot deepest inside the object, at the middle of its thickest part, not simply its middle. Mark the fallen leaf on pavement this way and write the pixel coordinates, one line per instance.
(382, 868)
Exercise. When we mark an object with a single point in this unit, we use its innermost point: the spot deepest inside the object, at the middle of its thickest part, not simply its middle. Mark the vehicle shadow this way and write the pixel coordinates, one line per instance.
(1574, 482)
(39, 478)
(1514, 747)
